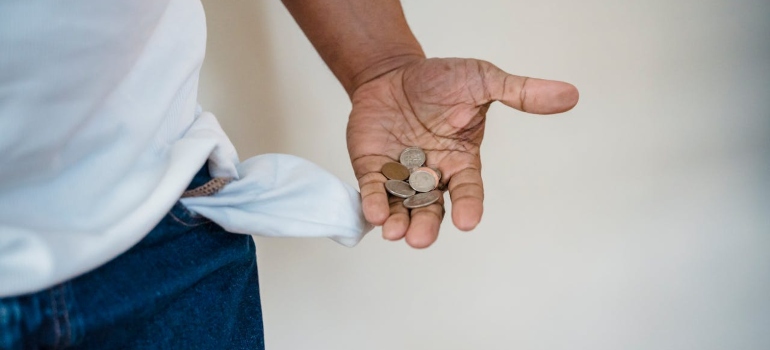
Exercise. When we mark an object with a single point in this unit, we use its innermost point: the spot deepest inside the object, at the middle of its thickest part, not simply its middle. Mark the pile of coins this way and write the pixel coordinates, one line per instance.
(412, 180)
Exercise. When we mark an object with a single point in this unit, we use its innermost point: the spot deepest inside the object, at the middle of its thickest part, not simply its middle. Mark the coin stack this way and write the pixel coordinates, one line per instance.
(412, 180)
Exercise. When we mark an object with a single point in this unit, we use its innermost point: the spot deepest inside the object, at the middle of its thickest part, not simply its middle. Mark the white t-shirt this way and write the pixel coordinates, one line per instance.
(100, 133)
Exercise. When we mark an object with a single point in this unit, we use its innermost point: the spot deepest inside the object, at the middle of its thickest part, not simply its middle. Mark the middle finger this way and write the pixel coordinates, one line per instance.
(425, 224)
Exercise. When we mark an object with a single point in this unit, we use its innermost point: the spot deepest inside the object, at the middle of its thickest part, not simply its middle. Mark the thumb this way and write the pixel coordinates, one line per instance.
(530, 95)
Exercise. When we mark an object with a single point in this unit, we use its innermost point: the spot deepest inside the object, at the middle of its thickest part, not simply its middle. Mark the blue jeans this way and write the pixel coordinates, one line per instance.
(187, 285)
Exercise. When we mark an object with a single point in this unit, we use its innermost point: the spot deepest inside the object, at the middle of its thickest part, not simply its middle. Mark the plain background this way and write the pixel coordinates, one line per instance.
(639, 220)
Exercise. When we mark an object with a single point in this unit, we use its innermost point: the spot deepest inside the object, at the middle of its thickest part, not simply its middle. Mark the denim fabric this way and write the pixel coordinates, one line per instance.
(187, 285)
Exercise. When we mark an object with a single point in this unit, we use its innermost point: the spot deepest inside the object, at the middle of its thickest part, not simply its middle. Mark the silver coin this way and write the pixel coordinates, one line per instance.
(422, 199)
(399, 188)
(423, 180)
(412, 157)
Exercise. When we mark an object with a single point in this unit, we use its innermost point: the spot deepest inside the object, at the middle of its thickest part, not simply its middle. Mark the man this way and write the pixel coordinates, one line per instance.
(100, 134)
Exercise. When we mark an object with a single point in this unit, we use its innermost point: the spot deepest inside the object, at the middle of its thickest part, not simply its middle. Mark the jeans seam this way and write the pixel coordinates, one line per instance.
(55, 317)
(66, 316)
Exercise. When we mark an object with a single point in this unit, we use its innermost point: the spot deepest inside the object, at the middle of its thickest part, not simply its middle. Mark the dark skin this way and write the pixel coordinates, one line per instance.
(439, 105)
(402, 99)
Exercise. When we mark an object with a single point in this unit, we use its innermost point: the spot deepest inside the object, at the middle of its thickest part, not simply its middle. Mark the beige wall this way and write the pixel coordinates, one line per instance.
(639, 220)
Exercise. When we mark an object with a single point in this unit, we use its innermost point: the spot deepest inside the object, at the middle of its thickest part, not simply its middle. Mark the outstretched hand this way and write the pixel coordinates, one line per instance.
(440, 106)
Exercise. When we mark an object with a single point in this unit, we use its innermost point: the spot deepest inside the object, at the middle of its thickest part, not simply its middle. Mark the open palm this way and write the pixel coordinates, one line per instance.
(440, 106)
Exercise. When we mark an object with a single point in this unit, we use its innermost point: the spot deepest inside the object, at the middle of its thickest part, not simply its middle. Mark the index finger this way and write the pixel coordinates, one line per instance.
(371, 183)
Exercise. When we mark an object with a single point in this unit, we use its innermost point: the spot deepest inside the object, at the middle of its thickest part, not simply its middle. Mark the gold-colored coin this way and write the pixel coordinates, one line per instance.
(438, 172)
(395, 171)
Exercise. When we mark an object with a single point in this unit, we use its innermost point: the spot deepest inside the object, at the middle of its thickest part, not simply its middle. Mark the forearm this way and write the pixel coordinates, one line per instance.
(358, 39)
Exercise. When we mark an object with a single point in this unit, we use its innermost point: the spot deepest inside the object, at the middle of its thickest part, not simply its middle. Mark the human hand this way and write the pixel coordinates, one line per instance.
(440, 106)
